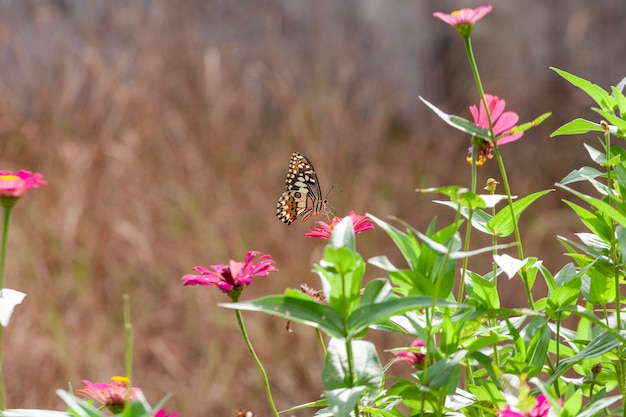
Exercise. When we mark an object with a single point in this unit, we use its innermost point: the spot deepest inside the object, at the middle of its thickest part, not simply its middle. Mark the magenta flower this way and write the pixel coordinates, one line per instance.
(415, 356)
(161, 413)
(323, 230)
(502, 123)
(542, 409)
(463, 20)
(14, 185)
(113, 396)
(233, 277)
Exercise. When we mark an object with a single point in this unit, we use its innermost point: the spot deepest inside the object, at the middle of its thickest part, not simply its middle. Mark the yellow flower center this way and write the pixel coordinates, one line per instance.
(121, 379)
(9, 177)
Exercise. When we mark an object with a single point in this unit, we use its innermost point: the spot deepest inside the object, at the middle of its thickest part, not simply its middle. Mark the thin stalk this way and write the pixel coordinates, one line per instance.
(320, 338)
(615, 255)
(496, 151)
(128, 330)
(8, 205)
(266, 382)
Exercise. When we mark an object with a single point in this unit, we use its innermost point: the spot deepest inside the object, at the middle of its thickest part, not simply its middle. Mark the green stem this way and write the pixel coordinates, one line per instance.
(128, 329)
(320, 338)
(244, 333)
(8, 205)
(496, 151)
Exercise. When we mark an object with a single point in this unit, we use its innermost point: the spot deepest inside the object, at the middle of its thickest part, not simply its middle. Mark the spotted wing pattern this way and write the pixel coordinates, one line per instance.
(303, 197)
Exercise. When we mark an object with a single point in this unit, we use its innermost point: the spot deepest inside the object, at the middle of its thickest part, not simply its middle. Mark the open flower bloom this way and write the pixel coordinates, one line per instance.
(14, 185)
(323, 230)
(463, 20)
(542, 409)
(414, 356)
(233, 276)
(502, 123)
(113, 396)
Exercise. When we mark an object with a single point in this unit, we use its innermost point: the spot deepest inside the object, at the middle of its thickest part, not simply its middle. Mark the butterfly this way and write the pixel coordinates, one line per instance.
(303, 197)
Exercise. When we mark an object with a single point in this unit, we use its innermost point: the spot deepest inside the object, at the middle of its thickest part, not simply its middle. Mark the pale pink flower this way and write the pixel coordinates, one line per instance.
(15, 185)
(463, 20)
(323, 230)
(502, 123)
(113, 396)
(233, 276)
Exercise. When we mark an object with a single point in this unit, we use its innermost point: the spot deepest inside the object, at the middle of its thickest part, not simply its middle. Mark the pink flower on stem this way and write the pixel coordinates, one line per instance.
(161, 413)
(415, 356)
(233, 277)
(15, 185)
(323, 230)
(463, 20)
(502, 123)
(542, 409)
(113, 396)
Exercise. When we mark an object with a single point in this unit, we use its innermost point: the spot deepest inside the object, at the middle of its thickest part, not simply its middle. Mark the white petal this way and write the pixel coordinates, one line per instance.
(509, 265)
(8, 300)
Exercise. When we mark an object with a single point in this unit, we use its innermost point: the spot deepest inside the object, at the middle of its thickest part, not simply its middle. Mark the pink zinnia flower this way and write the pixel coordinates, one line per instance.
(502, 123)
(14, 185)
(233, 277)
(113, 396)
(161, 413)
(463, 20)
(323, 230)
(542, 409)
(415, 356)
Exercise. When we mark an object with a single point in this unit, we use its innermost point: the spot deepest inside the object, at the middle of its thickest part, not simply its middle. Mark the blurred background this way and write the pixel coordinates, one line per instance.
(165, 130)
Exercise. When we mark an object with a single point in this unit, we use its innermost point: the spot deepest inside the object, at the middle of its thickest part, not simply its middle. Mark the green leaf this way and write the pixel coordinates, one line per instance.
(596, 408)
(459, 123)
(479, 217)
(343, 235)
(377, 291)
(596, 347)
(341, 272)
(538, 348)
(502, 223)
(582, 174)
(620, 99)
(525, 126)
(483, 292)
(594, 222)
(78, 406)
(367, 315)
(342, 401)
(459, 196)
(613, 120)
(597, 93)
(296, 307)
(445, 373)
(366, 368)
(603, 207)
(408, 245)
(577, 127)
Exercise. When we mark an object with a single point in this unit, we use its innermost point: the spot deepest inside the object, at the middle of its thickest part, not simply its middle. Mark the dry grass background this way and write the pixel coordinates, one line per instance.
(165, 128)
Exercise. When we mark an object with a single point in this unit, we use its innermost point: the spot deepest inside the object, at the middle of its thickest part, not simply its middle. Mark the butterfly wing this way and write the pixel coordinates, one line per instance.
(303, 196)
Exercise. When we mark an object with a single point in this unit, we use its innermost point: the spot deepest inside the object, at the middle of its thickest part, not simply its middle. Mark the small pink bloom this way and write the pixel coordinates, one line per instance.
(323, 230)
(161, 413)
(113, 396)
(542, 409)
(502, 123)
(235, 275)
(14, 185)
(463, 20)
(415, 356)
